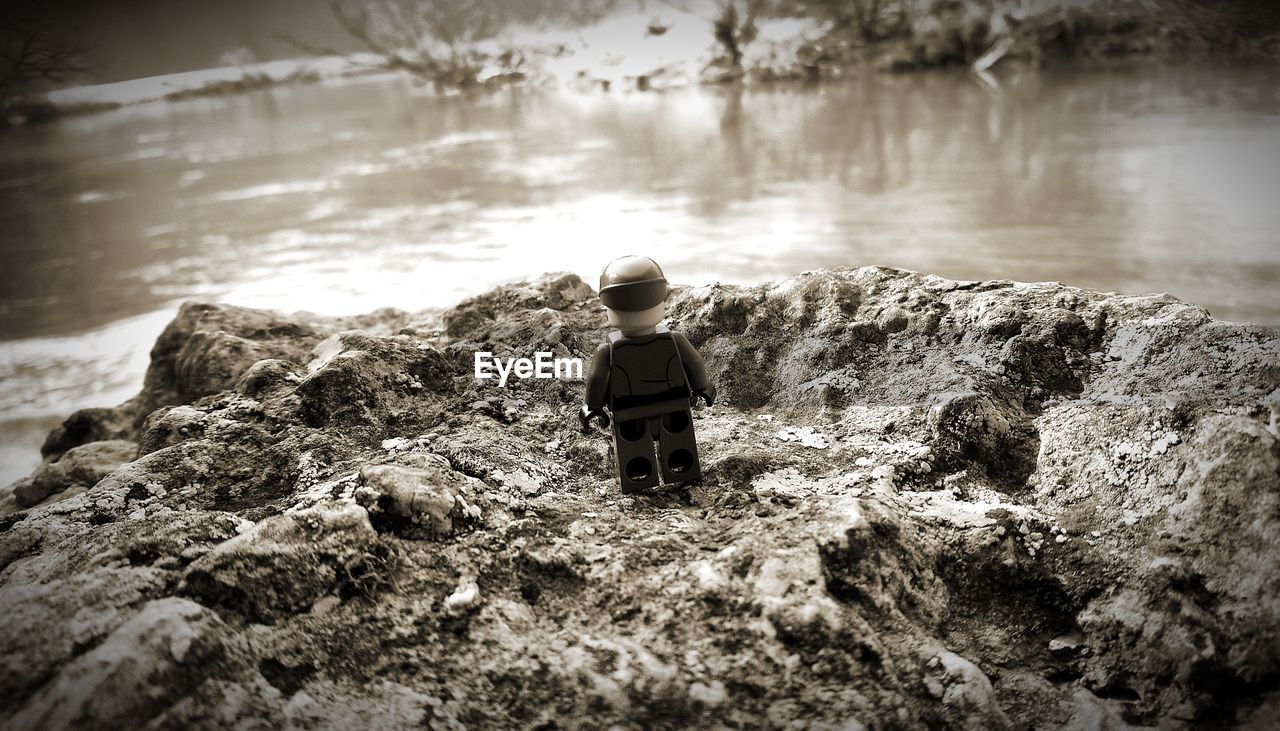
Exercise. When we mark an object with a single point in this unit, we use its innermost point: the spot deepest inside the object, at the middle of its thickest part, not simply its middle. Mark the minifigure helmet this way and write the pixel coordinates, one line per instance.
(632, 284)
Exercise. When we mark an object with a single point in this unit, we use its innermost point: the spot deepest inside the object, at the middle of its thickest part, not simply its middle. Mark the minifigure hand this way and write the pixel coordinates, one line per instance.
(587, 414)
(707, 394)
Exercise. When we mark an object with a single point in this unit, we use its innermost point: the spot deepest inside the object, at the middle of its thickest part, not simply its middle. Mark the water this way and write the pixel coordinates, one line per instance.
(347, 196)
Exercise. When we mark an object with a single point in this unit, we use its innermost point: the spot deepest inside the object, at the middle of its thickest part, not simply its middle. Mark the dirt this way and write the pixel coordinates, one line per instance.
(926, 503)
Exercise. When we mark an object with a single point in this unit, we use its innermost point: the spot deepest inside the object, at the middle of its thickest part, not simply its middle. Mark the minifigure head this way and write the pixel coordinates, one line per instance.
(632, 289)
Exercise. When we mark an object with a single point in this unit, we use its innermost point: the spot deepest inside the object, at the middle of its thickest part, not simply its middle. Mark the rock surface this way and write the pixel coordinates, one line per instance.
(926, 503)
(82, 466)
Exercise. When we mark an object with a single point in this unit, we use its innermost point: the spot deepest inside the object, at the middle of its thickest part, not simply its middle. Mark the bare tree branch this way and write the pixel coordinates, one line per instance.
(433, 39)
(308, 48)
(438, 39)
(31, 56)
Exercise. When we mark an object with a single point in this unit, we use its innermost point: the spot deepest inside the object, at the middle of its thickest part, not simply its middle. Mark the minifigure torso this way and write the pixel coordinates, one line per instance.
(645, 370)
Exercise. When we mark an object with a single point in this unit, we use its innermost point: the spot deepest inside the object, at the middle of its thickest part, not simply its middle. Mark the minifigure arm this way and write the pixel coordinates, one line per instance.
(598, 377)
(597, 388)
(694, 369)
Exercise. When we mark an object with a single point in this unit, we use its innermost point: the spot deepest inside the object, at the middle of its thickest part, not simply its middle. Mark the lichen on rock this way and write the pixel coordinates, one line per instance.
(420, 497)
(926, 503)
(81, 466)
(148, 662)
(284, 564)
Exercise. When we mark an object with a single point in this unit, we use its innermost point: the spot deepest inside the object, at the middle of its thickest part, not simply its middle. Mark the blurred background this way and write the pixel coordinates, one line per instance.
(342, 157)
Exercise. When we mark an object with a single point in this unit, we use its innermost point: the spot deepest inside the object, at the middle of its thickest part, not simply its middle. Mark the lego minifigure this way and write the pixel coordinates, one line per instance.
(647, 378)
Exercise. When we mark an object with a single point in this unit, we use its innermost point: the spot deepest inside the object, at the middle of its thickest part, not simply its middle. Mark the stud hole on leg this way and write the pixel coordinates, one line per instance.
(680, 461)
(675, 422)
(631, 430)
(638, 468)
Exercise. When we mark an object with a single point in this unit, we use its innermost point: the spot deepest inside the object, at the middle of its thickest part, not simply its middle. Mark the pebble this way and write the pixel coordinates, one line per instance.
(711, 694)
(325, 604)
(462, 599)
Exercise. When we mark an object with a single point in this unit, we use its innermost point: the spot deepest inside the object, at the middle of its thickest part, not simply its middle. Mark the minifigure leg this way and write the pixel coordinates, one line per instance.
(677, 448)
(634, 448)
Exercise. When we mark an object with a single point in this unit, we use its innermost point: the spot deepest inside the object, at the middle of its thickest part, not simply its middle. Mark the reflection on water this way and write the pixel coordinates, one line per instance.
(341, 198)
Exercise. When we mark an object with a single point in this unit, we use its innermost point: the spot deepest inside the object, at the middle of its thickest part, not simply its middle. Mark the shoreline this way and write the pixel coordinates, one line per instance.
(697, 48)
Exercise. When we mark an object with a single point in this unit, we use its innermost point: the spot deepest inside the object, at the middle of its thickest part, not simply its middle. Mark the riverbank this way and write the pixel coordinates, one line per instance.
(736, 42)
(926, 502)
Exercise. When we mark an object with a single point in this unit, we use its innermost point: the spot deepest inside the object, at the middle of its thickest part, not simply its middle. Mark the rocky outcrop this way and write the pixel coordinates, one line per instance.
(926, 503)
(81, 466)
(286, 563)
(154, 658)
(422, 498)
